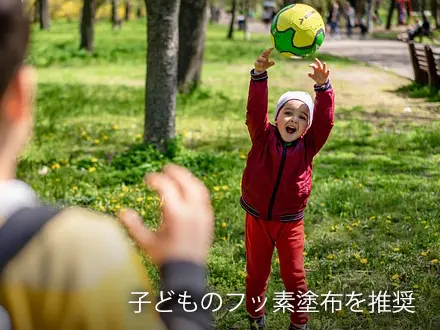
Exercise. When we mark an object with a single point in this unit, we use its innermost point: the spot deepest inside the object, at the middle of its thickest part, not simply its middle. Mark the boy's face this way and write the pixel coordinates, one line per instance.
(292, 120)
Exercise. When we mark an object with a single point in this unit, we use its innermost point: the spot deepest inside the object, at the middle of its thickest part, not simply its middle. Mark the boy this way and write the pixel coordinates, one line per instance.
(277, 182)
(78, 270)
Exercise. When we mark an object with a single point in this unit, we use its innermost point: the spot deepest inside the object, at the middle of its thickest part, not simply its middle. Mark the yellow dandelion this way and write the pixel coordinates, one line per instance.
(137, 189)
(139, 199)
(115, 127)
(102, 208)
(360, 185)
(388, 221)
(364, 261)
(138, 136)
(149, 198)
(330, 257)
(224, 238)
(114, 201)
(148, 207)
(56, 166)
(105, 137)
(94, 160)
(96, 141)
(216, 188)
(277, 261)
(83, 133)
(224, 224)
(121, 195)
(142, 212)
(389, 217)
(305, 254)
(242, 156)
(242, 273)
(92, 169)
(395, 277)
(349, 228)
(154, 230)
(225, 187)
(117, 206)
(323, 204)
(372, 217)
(423, 253)
(74, 188)
(434, 261)
(396, 249)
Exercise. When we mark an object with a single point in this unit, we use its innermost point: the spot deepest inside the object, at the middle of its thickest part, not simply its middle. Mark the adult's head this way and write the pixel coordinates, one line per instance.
(16, 84)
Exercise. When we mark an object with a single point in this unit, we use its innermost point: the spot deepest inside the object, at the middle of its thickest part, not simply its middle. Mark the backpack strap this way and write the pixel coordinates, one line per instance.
(20, 228)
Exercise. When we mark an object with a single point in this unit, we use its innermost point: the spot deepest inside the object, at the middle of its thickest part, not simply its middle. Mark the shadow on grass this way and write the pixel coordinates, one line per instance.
(415, 90)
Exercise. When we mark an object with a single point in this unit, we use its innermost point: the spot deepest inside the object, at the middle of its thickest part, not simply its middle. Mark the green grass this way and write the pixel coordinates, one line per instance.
(415, 90)
(372, 222)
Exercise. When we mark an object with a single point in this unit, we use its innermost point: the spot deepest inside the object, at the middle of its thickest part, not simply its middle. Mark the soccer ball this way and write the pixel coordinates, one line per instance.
(297, 30)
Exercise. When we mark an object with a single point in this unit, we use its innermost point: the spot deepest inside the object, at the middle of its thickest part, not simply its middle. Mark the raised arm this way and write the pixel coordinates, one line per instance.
(256, 111)
(323, 117)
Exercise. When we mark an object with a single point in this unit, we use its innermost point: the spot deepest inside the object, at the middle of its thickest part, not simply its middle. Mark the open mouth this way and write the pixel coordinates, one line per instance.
(290, 130)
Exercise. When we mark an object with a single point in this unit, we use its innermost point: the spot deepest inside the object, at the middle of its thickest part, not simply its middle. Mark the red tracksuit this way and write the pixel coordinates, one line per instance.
(276, 185)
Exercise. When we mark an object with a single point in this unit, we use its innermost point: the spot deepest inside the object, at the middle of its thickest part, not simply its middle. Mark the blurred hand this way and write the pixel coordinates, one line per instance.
(263, 63)
(188, 219)
(320, 72)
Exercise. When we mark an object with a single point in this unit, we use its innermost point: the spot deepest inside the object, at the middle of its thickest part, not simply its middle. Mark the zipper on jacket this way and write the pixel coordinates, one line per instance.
(277, 183)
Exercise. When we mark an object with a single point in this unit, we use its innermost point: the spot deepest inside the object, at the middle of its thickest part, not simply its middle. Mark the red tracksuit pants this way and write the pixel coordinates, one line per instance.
(261, 238)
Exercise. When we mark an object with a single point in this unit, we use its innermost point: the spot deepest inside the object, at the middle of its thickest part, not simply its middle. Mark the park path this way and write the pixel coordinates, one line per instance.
(388, 54)
(391, 55)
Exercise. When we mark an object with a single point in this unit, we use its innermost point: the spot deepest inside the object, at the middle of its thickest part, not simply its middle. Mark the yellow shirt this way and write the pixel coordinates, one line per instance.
(78, 273)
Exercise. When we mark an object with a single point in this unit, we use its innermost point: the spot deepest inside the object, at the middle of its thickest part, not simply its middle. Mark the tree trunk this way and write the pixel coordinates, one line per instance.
(115, 19)
(87, 25)
(434, 11)
(231, 25)
(139, 12)
(44, 14)
(246, 19)
(128, 8)
(368, 13)
(36, 17)
(390, 14)
(161, 82)
(193, 19)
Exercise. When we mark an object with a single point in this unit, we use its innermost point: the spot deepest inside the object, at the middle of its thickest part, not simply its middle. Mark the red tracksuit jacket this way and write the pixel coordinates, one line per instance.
(277, 180)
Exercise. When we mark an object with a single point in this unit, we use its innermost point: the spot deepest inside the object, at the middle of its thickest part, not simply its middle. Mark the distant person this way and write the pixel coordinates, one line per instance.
(350, 18)
(75, 269)
(421, 28)
(334, 20)
(281, 158)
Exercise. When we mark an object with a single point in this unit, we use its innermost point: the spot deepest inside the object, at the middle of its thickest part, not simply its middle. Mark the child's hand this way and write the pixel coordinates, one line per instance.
(320, 72)
(262, 63)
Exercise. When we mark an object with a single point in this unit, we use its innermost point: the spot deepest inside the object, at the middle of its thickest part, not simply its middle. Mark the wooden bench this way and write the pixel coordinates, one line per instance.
(426, 64)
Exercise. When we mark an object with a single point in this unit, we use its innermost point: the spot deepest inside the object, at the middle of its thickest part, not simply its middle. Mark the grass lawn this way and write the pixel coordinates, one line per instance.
(373, 219)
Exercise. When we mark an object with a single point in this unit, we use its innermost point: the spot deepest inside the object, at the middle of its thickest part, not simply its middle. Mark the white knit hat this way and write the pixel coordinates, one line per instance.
(300, 96)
